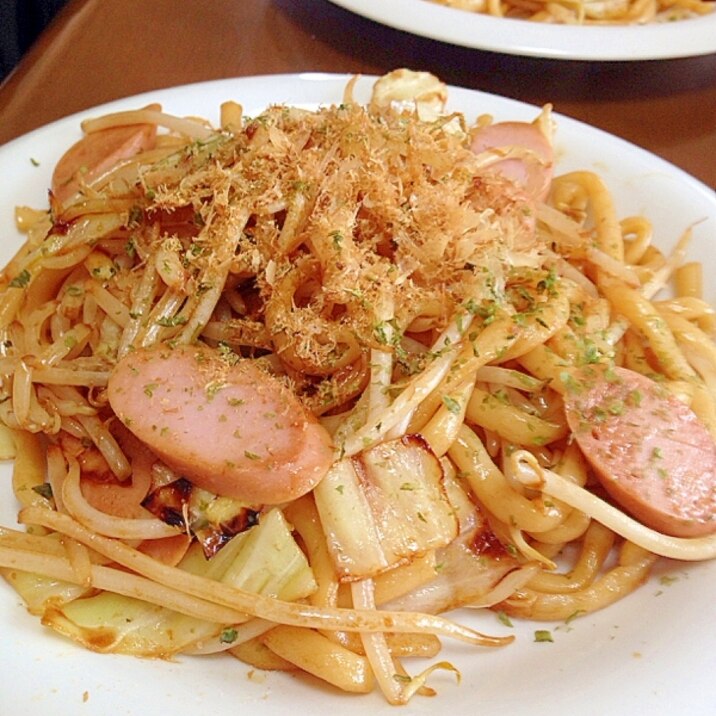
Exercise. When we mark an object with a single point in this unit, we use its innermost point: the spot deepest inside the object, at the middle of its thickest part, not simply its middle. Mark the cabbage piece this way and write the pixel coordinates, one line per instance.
(265, 560)
(384, 507)
(214, 520)
(112, 622)
(39, 592)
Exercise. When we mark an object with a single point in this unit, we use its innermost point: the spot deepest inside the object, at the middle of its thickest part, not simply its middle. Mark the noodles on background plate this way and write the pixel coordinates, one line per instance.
(298, 387)
(589, 31)
(586, 12)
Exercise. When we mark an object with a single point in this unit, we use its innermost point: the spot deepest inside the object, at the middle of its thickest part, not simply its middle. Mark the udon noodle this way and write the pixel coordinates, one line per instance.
(426, 291)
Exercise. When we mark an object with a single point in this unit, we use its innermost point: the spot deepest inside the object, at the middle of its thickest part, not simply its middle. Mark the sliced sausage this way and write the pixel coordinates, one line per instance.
(167, 550)
(230, 428)
(95, 154)
(649, 450)
(533, 175)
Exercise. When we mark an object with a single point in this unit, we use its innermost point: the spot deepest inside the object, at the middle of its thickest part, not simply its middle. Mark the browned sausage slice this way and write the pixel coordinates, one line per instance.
(230, 428)
(650, 451)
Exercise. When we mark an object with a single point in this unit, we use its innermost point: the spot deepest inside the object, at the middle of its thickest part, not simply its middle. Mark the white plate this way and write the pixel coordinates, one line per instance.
(687, 38)
(650, 653)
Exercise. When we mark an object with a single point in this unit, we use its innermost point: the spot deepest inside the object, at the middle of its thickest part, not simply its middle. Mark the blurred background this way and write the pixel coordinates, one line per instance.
(21, 21)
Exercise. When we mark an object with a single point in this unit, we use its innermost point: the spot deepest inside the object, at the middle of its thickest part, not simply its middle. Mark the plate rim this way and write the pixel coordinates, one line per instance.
(52, 648)
(541, 40)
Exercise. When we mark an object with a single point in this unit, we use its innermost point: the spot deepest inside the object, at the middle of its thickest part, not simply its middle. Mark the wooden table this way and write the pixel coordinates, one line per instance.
(98, 50)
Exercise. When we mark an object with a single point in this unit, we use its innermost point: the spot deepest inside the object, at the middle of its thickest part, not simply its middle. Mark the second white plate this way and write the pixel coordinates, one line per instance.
(658, 41)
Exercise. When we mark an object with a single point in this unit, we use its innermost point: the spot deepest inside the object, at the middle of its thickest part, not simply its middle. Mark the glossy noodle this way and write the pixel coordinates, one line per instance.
(300, 387)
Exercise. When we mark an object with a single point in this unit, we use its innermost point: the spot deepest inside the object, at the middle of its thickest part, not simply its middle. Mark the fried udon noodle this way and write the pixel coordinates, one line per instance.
(422, 301)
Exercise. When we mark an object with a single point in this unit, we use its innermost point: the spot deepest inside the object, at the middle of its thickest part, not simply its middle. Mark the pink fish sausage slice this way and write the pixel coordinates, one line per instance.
(95, 154)
(229, 428)
(651, 453)
(534, 175)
